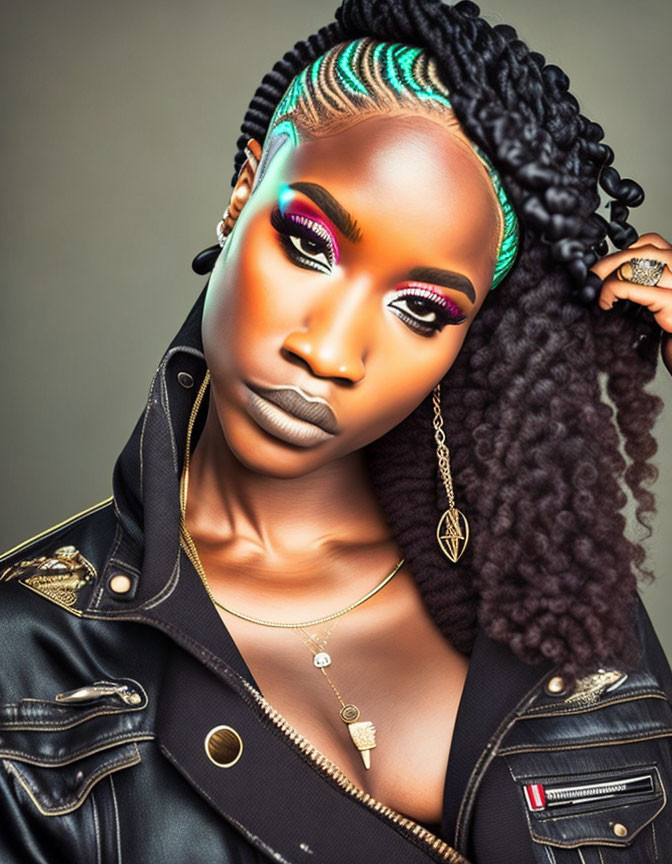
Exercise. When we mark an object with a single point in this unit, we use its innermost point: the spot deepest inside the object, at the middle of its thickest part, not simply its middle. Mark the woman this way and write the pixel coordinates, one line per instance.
(363, 591)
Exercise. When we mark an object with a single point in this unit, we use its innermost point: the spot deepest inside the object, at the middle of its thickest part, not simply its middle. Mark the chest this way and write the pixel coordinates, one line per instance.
(399, 672)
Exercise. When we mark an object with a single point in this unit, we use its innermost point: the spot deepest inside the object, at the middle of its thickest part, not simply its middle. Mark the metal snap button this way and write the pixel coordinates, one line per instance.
(223, 746)
(185, 379)
(120, 583)
(556, 685)
(620, 830)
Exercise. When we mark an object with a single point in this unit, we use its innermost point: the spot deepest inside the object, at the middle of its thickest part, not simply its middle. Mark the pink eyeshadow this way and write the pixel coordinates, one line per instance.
(298, 208)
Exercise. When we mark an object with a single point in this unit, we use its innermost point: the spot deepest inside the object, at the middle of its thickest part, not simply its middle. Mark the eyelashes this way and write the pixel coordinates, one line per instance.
(304, 240)
(434, 312)
(309, 245)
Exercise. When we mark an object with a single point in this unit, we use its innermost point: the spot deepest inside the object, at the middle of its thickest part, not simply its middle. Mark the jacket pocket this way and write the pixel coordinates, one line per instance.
(593, 771)
(55, 752)
(600, 806)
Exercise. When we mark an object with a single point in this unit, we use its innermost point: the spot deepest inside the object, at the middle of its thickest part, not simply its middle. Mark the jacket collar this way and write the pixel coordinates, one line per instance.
(165, 589)
(147, 475)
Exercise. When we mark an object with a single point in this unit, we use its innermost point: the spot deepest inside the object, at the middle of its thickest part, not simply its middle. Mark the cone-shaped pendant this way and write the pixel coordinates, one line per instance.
(451, 535)
(362, 732)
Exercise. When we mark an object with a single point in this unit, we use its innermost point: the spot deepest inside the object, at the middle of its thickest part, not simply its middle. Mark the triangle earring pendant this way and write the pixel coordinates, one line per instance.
(452, 535)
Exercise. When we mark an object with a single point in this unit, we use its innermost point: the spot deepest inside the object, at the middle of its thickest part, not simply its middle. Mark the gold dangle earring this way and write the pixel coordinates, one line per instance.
(452, 536)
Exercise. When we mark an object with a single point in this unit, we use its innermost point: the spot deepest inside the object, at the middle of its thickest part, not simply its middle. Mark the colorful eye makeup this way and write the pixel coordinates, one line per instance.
(309, 241)
(305, 241)
(430, 310)
(309, 224)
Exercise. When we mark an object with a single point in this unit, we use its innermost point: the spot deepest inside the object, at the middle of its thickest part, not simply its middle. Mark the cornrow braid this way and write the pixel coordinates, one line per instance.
(539, 459)
(362, 78)
(510, 103)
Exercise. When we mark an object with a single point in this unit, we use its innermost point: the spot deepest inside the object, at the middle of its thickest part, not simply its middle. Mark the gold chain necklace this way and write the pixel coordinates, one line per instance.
(363, 733)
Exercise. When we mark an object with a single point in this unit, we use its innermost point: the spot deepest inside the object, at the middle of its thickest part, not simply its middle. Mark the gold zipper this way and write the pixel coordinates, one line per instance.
(444, 851)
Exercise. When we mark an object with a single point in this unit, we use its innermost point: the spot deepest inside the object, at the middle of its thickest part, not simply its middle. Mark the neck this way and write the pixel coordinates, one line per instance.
(280, 527)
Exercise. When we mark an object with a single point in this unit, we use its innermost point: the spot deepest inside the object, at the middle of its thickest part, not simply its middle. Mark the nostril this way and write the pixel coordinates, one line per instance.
(348, 374)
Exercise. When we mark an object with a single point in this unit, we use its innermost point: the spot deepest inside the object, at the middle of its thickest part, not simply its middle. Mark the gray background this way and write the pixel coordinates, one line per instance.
(120, 121)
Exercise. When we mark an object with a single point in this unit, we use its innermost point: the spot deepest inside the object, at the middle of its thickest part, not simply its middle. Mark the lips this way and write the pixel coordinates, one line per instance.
(312, 409)
(291, 415)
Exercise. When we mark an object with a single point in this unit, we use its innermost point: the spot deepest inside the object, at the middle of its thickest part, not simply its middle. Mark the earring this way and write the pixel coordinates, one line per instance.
(205, 260)
(451, 535)
(238, 199)
(228, 220)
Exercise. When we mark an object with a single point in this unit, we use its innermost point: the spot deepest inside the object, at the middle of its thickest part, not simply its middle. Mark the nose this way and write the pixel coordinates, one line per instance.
(334, 342)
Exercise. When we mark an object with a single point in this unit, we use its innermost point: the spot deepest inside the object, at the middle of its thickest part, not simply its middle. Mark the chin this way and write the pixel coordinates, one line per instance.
(263, 453)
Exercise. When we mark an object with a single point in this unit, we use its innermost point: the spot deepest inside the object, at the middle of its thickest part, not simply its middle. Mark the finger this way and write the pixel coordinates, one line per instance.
(653, 239)
(656, 298)
(609, 263)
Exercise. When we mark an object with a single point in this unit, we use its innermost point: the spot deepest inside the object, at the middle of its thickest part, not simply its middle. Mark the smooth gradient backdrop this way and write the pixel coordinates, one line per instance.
(119, 129)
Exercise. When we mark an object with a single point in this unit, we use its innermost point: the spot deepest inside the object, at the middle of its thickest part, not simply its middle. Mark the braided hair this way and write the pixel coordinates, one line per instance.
(535, 448)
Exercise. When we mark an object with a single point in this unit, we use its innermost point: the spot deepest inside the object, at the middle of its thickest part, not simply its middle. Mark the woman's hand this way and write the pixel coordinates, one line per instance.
(658, 298)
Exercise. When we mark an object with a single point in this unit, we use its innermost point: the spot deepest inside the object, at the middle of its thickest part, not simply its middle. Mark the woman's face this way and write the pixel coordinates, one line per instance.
(365, 312)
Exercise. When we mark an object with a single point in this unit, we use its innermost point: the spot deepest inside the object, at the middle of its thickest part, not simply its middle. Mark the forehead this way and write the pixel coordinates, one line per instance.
(406, 174)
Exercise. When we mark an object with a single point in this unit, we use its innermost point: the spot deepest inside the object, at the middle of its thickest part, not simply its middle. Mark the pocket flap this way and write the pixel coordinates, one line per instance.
(61, 789)
(52, 732)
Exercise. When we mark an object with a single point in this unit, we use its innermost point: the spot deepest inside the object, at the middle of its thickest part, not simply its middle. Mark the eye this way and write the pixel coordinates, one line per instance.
(424, 313)
(310, 249)
(305, 241)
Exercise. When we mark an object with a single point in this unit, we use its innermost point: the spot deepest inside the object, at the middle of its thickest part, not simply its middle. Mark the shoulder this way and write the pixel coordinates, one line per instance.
(61, 565)
(74, 694)
(89, 528)
(78, 543)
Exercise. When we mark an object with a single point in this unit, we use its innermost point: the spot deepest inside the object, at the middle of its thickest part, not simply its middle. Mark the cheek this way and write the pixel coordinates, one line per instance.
(398, 381)
(245, 303)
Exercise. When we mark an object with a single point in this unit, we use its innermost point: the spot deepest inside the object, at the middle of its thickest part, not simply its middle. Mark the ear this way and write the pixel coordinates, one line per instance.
(205, 260)
(241, 191)
(248, 170)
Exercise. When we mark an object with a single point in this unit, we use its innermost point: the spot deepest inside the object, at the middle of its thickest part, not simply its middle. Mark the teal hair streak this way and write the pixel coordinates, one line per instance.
(398, 65)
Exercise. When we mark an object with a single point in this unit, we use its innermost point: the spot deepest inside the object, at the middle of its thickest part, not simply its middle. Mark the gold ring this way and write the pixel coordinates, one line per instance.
(642, 271)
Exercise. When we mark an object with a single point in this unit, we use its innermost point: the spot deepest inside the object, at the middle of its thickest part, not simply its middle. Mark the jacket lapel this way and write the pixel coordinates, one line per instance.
(496, 683)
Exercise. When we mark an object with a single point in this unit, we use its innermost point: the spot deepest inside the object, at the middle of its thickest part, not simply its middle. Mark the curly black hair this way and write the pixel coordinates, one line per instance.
(535, 447)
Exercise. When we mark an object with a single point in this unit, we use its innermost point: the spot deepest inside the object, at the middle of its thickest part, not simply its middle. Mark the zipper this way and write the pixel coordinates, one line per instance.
(539, 797)
(127, 694)
(443, 850)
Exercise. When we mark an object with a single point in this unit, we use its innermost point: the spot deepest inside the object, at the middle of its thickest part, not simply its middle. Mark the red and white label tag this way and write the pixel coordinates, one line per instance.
(535, 796)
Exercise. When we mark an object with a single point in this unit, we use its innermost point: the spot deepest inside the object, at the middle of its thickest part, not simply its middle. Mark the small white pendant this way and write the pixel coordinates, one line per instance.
(322, 659)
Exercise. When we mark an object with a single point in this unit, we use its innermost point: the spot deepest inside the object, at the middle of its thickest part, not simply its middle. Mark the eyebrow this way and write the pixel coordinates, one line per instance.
(348, 226)
(335, 211)
(446, 278)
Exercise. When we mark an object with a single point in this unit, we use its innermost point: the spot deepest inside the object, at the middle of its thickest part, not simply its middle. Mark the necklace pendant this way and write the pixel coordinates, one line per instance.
(451, 535)
(362, 732)
(321, 659)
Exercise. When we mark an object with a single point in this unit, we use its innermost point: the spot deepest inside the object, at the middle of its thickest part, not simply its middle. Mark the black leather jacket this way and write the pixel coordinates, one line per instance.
(115, 669)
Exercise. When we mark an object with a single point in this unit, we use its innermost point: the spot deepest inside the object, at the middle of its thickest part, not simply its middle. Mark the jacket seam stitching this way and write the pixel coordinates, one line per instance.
(74, 755)
(591, 742)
